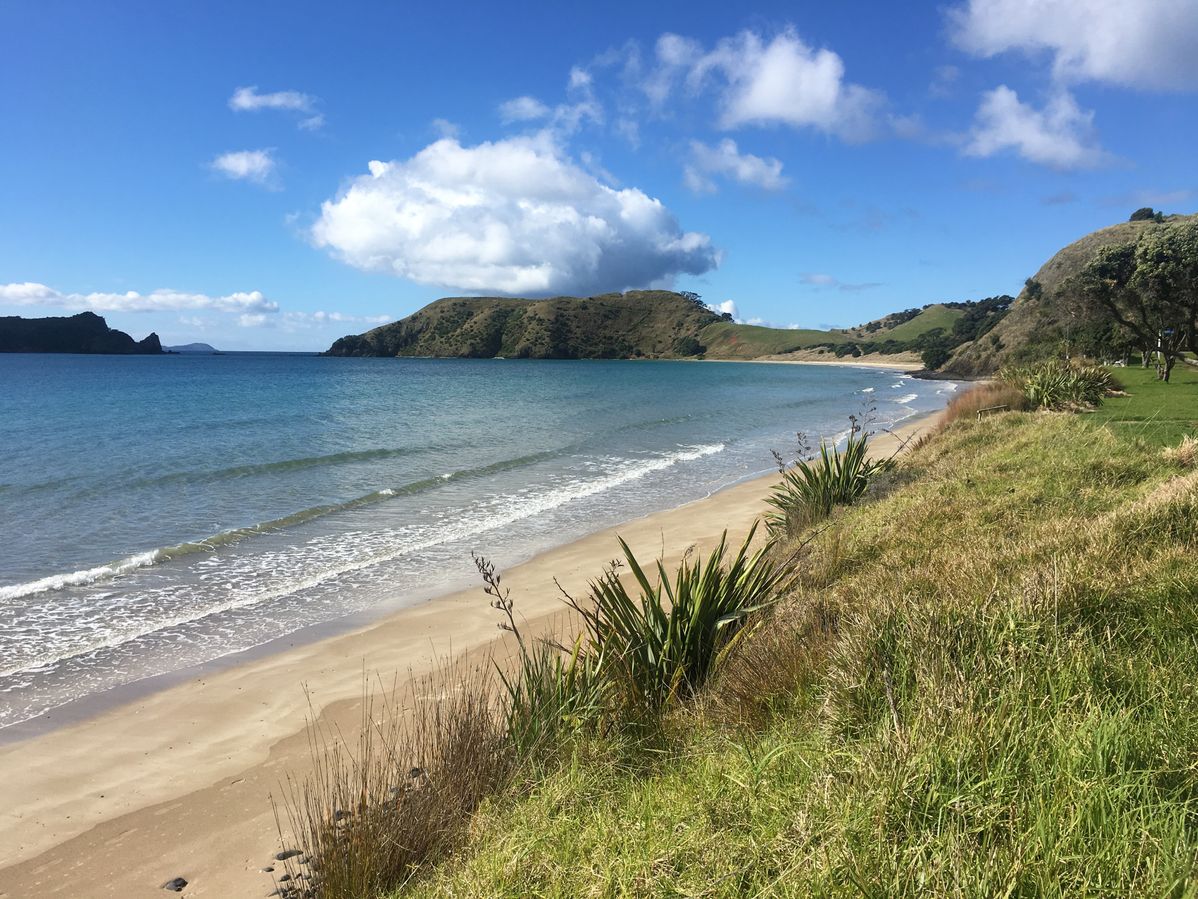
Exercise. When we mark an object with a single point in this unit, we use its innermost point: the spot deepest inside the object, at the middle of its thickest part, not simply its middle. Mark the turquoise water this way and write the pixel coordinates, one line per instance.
(158, 513)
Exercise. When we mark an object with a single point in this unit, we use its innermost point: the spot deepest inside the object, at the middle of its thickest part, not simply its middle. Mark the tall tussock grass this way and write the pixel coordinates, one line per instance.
(988, 398)
(1061, 385)
(397, 795)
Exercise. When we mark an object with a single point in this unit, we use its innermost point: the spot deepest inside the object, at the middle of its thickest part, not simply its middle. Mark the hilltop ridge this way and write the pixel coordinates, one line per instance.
(82, 333)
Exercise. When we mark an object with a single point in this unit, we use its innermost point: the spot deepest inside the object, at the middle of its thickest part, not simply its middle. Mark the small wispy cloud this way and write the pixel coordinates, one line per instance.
(523, 109)
(255, 166)
(249, 99)
(822, 279)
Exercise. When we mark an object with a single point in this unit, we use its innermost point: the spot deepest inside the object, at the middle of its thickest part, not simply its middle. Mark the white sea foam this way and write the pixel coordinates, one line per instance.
(867, 390)
(79, 578)
(378, 548)
(907, 398)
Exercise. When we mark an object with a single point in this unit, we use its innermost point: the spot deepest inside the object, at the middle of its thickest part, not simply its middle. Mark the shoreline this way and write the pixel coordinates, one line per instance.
(176, 782)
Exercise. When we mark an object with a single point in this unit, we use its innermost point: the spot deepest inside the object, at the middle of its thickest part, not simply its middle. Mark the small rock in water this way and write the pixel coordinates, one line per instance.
(286, 854)
(175, 885)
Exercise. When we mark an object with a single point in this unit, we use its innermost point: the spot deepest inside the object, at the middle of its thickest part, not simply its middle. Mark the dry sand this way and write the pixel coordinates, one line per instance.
(177, 783)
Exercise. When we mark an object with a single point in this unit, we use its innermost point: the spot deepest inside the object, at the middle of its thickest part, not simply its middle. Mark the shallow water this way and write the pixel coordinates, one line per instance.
(160, 512)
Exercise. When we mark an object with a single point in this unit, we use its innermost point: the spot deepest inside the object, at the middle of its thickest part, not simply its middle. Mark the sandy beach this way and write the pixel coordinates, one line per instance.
(177, 782)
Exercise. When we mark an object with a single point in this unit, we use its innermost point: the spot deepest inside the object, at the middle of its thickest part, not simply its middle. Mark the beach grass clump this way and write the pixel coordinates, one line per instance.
(979, 684)
(811, 488)
(397, 796)
(1061, 385)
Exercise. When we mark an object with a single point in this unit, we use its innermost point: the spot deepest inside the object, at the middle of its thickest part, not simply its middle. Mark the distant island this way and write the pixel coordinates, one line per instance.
(82, 333)
(202, 349)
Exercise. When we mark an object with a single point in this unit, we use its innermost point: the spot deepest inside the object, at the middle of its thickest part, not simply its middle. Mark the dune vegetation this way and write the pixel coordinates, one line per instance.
(973, 676)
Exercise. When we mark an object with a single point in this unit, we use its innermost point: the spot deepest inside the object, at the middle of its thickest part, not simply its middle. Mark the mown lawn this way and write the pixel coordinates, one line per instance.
(1154, 411)
(984, 683)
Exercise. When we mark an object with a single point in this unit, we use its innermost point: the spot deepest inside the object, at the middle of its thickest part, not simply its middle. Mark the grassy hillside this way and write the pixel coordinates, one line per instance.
(1024, 724)
(903, 326)
(725, 340)
(640, 323)
(1037, 324)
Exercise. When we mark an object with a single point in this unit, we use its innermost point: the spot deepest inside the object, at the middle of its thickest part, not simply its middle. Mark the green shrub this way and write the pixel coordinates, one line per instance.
(662, 645)
(1060, 385)
(811, 488)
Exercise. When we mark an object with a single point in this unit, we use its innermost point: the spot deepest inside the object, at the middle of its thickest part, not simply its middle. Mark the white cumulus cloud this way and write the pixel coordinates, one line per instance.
(33, 294)
(726, 160)
(1059, 135)
(256, 166)
(786, 81)
(1141, 43)
(514, 216)
(249, 99)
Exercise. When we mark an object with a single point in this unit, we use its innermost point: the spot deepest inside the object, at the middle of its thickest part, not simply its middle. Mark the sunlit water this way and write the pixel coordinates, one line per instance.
(158, 513)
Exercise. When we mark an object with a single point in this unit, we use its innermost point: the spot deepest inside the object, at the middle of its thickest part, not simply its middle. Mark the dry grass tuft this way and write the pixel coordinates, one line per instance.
(1185, 454)
(984, 398)
(400, 794)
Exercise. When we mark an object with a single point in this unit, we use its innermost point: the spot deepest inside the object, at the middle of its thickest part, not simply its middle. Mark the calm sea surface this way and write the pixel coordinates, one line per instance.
(157, 513)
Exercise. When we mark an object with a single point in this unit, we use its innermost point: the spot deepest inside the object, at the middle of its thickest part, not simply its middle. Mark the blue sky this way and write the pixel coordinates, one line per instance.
(274, 175)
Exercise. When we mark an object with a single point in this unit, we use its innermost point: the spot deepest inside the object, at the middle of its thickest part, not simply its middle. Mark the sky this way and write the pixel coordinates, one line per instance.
(274, 175)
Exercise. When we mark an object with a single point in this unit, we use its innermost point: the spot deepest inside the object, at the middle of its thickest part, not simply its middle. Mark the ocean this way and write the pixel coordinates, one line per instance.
(158, 513)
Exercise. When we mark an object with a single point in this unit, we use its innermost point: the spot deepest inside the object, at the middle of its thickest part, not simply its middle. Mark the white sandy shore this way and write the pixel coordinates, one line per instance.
(876, 362)
(177, 783)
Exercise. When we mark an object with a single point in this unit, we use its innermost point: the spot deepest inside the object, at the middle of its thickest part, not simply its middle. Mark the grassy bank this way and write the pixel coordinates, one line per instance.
(980, 681)
(1000, 701)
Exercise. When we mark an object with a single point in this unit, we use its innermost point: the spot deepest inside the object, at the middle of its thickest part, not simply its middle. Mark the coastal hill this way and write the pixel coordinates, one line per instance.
(1040, 319)
(82, 333)
(639, 323)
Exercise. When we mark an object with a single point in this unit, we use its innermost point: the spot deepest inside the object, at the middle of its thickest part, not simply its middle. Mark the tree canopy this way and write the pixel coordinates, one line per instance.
(1149, 287)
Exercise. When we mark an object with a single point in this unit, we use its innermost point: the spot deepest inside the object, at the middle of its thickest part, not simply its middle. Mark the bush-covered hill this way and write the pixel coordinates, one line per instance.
(639, 323)
(1042, 319)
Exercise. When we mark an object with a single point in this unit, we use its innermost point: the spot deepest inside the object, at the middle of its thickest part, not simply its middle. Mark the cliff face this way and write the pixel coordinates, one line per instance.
(82, 333)
(640, 323)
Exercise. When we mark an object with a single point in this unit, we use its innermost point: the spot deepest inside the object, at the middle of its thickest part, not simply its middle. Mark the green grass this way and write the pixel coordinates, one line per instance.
(731, 341)
(983, 684)
(935, 316)
(1153, 411)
